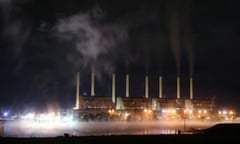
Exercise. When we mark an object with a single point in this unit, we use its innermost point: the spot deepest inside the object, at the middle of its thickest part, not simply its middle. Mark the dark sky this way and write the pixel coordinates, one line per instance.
(43, 44)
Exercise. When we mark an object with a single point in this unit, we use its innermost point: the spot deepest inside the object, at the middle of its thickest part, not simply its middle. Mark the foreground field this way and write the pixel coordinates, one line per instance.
(123, 139)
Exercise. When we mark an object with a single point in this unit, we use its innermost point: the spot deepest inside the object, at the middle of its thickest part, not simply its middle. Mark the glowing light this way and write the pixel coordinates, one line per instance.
(185, 111)
(5, 114)
(145, 110)
(173, 111)
(29, 116)
(204, 111)
(224, 112)
(111, 111)
(190, 111)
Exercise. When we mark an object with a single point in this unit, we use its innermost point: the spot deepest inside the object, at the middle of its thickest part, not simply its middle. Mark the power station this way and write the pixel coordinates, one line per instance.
(142, 108)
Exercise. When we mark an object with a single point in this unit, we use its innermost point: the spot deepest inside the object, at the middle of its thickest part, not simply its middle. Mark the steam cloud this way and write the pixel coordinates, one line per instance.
(174, 28)
(180, 31)
(188, 37)
(93, 43)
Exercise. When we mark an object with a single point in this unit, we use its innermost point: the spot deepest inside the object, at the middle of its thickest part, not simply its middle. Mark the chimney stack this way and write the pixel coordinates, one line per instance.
(191, 88)
(113, 87)
(146, 86)
(127, 85)
(92, 83)
(160, 87)
(77, 90)
(178, 87)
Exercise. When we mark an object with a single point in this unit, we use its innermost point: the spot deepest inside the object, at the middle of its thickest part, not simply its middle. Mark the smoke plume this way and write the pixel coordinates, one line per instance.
(92, 42)
(174, 31)
(188, 37)
(180, 31)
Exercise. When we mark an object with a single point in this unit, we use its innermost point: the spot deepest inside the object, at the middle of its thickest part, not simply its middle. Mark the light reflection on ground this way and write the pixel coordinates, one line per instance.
(53, 129)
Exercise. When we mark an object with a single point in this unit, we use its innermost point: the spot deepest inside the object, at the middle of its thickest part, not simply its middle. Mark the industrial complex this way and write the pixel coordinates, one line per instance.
(146, 108)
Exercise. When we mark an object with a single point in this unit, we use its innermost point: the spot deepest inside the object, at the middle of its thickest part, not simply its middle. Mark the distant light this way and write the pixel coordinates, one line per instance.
(190, 111)
(111, 111)
(224, 112)
(5, 114)
(205, 111)
(173, 111)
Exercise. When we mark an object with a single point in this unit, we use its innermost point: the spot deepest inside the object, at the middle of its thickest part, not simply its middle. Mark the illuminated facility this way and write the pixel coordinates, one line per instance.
(146, 108)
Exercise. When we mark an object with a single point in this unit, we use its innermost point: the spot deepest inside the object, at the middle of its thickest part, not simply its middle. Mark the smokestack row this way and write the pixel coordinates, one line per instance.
(127, 87)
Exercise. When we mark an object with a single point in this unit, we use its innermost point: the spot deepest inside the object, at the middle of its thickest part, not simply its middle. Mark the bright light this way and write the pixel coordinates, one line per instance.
(224, 112)
(204, 111)
(145, 110)
(5, 114)
(190, 111)
(173, 111)
(29, 116)
(185, 111)
(169, 111)
(111, 111)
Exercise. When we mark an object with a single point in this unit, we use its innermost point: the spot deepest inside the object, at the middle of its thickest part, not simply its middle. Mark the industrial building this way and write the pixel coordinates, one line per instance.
(142, 108)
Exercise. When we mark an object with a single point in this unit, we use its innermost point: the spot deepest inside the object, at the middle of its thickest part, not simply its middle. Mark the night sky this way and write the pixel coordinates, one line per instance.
(43, 43)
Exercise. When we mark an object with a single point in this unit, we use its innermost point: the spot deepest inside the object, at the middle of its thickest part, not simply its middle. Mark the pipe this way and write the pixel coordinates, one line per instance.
(113, 87)
(146, 86)
(92, 83)
(178, 87)
(191, 88)
(77, 90)
(160, 86)
(127, 85)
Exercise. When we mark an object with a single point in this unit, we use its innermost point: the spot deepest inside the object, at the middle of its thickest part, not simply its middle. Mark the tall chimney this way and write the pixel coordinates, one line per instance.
(113, 87)
(127, 85)
(160, 86)
(92, 83)
(178, 87)
(77, 90)
(146, 86)
(191, 88)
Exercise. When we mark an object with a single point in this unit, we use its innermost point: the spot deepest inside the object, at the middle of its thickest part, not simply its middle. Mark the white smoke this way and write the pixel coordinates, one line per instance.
(93, 42)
